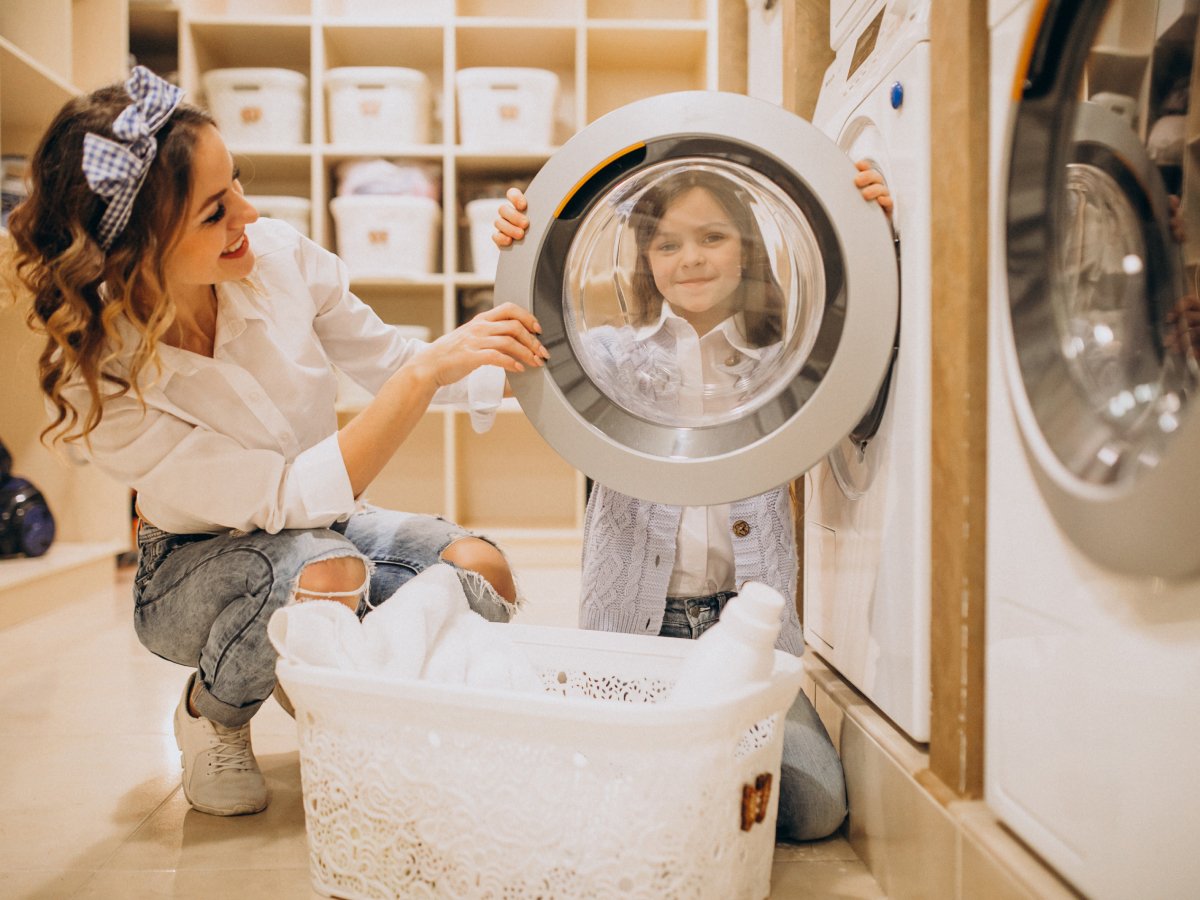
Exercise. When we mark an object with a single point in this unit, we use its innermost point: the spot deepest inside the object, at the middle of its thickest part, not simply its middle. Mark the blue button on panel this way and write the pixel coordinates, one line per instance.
(897, 95)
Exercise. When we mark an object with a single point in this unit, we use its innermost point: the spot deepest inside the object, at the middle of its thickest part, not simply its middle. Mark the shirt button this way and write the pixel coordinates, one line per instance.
(741, 528)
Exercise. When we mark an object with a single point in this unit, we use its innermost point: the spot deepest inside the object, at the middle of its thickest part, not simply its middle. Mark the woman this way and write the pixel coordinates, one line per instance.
(188, 353)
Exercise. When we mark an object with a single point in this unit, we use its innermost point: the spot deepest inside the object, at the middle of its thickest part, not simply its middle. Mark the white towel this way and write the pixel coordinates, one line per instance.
(403, 631)
(425, 630)
(485, 390)
(325, 633)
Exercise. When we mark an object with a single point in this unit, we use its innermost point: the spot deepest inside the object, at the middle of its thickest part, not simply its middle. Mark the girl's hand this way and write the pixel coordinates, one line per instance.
(1178, 228)
(505, 336)
(870, 183)
(512, 222)
(1183, 327)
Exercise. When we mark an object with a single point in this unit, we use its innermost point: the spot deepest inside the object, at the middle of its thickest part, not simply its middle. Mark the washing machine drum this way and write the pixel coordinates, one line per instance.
(1103, 368)
(718, 300)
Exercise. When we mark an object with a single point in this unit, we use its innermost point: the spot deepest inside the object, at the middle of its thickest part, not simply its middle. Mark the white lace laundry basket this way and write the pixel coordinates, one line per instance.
(592, 789)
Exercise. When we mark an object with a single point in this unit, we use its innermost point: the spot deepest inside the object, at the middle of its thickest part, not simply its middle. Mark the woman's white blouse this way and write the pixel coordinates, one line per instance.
(248, 438)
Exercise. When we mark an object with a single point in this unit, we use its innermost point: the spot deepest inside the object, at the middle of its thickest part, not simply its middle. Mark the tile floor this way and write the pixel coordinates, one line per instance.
(90, 803)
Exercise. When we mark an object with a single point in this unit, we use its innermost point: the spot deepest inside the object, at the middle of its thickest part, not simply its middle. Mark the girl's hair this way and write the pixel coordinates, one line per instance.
(760, 298)
(80, 291)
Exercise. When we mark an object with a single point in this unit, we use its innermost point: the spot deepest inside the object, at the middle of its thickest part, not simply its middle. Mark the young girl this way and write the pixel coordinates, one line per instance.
(707, 310)
(188, 353)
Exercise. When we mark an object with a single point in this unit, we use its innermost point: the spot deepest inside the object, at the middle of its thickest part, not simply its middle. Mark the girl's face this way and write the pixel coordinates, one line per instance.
(213, 245)
(695, 259)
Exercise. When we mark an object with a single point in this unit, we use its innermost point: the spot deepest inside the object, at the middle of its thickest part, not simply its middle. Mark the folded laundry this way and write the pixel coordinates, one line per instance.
(425, 630)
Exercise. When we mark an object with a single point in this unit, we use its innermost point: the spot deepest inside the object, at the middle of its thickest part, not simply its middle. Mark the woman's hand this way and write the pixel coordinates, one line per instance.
(505, 336)
(870, 183)
(511, 224)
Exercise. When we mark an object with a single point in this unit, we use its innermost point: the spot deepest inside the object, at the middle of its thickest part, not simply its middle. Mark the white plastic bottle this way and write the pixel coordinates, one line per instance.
(738, 651)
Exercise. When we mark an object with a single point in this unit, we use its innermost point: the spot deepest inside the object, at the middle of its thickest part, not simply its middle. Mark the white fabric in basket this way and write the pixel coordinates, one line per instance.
(425, 630)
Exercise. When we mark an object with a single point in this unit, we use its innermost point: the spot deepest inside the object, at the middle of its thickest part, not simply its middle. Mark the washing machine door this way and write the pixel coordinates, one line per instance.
(1103, 282)
(718, 300)
(859, 456)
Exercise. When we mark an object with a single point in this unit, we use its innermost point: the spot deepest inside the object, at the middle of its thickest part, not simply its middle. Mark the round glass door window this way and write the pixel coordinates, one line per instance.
(718, 307)
(694, 292)
(1121, 306)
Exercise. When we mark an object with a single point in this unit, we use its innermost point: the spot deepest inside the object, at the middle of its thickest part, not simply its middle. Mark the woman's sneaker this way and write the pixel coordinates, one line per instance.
(220, 774)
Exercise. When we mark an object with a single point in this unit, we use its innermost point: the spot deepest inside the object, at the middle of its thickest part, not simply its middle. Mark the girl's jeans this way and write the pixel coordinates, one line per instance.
(812, 786)
(203, 600)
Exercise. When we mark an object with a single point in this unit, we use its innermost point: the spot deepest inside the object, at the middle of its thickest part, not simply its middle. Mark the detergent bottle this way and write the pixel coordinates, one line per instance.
(737, 651)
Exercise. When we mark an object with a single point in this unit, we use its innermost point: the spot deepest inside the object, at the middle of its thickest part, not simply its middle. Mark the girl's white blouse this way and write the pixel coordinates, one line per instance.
(704, 561)
(248, 439)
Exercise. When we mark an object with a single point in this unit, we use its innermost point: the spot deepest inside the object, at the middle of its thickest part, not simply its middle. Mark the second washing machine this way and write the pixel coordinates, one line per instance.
(867, 515)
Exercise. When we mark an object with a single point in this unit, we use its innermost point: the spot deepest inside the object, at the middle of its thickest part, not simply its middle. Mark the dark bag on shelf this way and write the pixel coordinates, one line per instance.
(26, 524)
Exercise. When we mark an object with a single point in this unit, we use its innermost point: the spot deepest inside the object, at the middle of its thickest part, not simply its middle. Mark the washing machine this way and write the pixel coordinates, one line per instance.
(1093, 562)
(867, 517)
(814, 299)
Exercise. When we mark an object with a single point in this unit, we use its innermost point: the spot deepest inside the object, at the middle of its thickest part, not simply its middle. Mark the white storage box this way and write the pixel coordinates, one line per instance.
(592, 789)
(481, 217)
(296, 211)
(506, 107)
(377, 105)
(385, 235)
(258, 106)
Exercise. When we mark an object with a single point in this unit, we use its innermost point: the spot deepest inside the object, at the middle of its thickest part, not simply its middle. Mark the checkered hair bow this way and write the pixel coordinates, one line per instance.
(115, 169)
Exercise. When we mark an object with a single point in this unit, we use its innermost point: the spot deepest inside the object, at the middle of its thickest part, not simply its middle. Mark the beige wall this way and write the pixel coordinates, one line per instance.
(807, 55)
(959, 63)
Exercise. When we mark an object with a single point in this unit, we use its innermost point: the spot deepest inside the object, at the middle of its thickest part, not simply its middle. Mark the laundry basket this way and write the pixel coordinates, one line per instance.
(592, 789)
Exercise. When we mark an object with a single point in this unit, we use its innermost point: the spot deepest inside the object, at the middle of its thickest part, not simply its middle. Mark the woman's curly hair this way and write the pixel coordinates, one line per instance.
(79, 291)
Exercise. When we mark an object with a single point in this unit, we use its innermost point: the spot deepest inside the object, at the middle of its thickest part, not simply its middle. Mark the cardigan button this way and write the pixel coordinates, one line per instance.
(741, 528)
